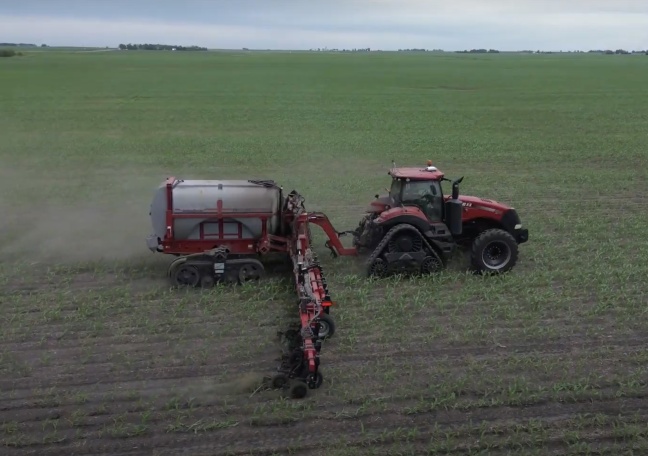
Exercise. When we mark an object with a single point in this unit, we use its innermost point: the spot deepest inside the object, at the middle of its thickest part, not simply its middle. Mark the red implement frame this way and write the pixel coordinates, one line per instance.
(311, 290)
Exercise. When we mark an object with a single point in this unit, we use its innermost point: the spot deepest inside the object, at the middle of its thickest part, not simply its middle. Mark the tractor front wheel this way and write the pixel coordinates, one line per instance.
(494, 251)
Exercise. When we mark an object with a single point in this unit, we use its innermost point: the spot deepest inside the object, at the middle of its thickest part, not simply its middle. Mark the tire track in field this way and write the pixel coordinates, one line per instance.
(380, 429)
(101, 350)
(75, 380)
(405, 406)
(414, 404)
(162, 330)
(566, 345)
(164, 368)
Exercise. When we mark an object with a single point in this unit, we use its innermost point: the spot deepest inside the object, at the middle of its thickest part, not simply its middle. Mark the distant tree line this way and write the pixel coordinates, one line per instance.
(9, 53)
(336, 50)
(159, 47)
(17, 45)
(595, 51)
(495, 51)
(609, 51)
(479, 51)
(598, 51)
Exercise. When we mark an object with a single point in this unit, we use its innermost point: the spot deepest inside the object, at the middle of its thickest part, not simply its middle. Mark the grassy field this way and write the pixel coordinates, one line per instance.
(99, 356)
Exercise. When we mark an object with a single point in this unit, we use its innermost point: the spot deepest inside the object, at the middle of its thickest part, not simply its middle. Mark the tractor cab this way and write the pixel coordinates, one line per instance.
(420, 187)
(424, 194)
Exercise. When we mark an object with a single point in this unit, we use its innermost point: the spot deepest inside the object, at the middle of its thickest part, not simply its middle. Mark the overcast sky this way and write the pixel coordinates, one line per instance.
(305, 24)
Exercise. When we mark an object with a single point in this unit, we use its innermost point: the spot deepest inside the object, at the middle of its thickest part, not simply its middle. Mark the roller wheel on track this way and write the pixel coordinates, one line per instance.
(431, 265)
(377, 268)
(494, 251)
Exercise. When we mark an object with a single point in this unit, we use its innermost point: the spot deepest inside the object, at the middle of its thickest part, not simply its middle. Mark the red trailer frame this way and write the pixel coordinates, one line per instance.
(294, 214)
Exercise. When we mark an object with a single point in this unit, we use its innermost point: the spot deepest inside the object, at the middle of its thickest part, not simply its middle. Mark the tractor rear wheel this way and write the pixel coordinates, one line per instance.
(494, 251)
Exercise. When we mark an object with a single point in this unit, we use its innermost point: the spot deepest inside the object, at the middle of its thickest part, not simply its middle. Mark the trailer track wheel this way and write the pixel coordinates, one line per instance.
(185, 275)
(206, 281)
(250, 272)
(298, 390)
(494, 251)
(327, 327)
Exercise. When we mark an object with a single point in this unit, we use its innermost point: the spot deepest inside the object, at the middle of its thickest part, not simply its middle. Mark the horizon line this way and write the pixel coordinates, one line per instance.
(322, 49)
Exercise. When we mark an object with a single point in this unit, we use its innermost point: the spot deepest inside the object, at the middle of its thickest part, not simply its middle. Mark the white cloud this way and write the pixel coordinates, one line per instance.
(55, 31)
(490, 7)
(379, 24)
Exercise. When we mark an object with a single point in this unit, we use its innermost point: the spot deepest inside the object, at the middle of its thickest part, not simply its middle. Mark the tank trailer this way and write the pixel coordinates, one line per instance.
(220, 230)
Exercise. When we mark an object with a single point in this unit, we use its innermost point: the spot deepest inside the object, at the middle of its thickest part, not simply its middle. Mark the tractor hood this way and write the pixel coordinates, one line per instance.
(482, 203)
(380, 204)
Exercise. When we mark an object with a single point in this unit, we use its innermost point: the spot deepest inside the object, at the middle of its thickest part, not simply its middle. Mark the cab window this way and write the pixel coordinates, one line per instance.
(426, 195)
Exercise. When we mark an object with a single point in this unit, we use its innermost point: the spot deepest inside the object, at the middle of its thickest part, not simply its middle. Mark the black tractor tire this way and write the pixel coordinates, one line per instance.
(494, 251)
(327, 327)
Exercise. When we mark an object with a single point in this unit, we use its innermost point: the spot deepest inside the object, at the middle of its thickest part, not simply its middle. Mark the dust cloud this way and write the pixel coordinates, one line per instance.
(244, 383)
(207, 391)
(87, 232)
(41, 223)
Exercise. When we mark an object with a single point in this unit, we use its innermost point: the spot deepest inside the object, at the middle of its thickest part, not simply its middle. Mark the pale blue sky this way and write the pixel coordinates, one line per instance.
(292, 24)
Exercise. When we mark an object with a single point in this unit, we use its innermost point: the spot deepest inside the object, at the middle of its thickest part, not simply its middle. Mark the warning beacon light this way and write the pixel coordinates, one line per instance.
(430, 167)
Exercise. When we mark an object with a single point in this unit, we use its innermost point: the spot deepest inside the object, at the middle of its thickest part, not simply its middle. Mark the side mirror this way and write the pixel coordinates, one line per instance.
(455, 188)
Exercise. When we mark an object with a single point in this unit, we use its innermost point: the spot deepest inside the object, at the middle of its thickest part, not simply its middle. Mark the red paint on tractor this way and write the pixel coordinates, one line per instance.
(394, 212)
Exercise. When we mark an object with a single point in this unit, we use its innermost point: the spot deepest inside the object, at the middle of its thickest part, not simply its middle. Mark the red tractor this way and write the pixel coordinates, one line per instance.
(415, 224)
(221, 229)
